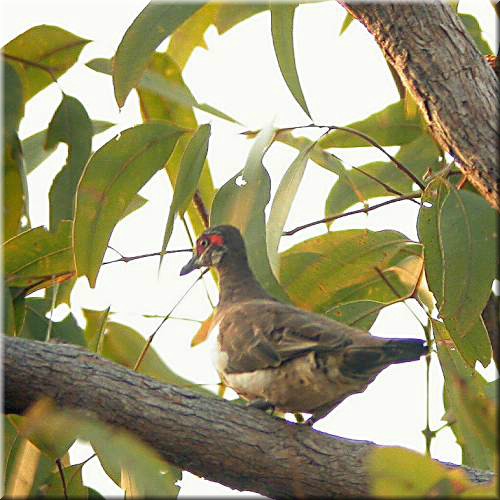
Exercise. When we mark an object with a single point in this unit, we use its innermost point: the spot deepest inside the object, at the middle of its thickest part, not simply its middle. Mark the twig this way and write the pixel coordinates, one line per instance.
(418, 194)
(135, 257)
(63, 481)
(152, 336)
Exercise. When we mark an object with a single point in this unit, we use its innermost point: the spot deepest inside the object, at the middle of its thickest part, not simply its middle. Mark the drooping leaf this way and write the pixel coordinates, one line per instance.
(149, 29)
(42, 54)
(400, 473)
(389, 127)
(70, 124)
(282, 15)
(348, 19)
(230, 15)
(38, 258)
(94, 329)
(476, 33)
(336, 268)
(459, 234)
(191, 33)
(418, 156)
(241, 202)
(36, 324)
(113, 175)
(281, 205)
(471, 411)
(35, 149)
(158, 107)
(14, 182)
(124, 345)
(190, 169)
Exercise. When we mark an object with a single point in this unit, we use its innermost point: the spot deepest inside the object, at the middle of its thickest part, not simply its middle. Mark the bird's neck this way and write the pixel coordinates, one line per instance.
(237, 282)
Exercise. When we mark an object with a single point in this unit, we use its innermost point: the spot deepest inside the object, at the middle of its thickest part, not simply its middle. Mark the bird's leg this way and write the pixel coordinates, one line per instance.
(261, 404)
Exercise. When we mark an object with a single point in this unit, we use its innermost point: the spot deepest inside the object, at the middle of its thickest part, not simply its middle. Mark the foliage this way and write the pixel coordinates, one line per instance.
(349, 275)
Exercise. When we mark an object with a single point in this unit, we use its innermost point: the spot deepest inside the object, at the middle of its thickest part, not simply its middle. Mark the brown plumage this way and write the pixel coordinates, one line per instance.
(276, 355)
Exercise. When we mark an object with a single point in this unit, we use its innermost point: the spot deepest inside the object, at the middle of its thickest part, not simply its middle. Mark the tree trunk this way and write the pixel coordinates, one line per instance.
(240, 447)
(454, 87)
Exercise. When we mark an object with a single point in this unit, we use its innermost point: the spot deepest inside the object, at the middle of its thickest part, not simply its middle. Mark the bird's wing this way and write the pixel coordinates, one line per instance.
(261, 334)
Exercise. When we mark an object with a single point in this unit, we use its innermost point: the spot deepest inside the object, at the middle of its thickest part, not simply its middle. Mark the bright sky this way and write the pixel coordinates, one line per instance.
(344, 79)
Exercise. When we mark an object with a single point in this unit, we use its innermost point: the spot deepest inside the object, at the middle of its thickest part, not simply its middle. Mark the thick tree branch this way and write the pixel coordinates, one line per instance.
(453, 85)
(234, 445)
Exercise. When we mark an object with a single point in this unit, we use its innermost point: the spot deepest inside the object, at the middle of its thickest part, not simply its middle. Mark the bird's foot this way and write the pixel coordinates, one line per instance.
(261, 404)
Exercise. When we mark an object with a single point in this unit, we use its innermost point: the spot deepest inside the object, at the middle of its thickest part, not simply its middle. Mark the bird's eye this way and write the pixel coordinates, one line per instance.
(204, 243)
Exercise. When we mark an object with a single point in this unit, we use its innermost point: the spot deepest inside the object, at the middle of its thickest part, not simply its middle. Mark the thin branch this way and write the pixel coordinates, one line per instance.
(154, 254)
(345, 214)
(63, 480)
(152, 336)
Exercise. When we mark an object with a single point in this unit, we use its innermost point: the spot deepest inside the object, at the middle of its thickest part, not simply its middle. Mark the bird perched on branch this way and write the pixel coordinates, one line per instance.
(278, 356)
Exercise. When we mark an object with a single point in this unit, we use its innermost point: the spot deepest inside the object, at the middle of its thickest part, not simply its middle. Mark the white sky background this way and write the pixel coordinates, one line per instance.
(344, 79)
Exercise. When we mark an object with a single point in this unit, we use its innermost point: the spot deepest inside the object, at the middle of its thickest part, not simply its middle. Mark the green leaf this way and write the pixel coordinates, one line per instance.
(360, 314)
(282, 203)
(336, 268)
(137, 202)
(400, 473)
(389, 127)
(35, 149)
(348, 19)
(42, 54)
(190, 169)
(476, 33)
(124, 345)
(14, 181)
(94, 329)
(354, 186)
(37, 258)
(9, 322)
(113, 175)
(53, 488)
(70, 124)
(230, 15)
(471, 411)
(282, 31)
(241, 202)
(191, 33)
(36, 324)
(149, 29)
(459, 234)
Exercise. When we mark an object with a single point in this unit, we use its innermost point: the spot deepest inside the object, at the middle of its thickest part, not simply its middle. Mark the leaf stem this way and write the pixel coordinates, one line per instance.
(63, 480)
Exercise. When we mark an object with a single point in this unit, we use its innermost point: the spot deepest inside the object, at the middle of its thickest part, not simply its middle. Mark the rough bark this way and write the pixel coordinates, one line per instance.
(454, 87)
(233, 445)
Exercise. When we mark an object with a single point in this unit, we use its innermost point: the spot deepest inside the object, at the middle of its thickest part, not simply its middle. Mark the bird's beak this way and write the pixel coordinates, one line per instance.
(193, 264)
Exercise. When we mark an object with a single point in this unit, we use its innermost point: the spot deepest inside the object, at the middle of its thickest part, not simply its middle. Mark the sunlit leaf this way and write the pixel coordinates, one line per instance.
(149, 29)
(418, 156)
(191, 33)
(124, 345)
(400, 473)
(70, 124)
(230, 15)
(37, 258)
(459, 234)
(35, 149)
(42, 54)
(389, 127)
(337, 268)
(282, 15)
(476, 33)
(241, 202)
(473, 412)
(360, 314)
(281, 205)
(203, 332)
(113, 175)
(190, 169)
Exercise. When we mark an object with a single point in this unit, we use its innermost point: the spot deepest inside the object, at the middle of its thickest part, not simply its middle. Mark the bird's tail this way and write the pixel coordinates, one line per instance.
(361, 359)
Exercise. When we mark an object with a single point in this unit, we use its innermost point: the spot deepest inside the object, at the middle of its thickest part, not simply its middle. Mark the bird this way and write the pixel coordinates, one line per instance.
(280, 357)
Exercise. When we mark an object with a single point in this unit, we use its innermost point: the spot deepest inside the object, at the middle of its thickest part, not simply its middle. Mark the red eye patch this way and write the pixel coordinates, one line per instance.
(216, 240)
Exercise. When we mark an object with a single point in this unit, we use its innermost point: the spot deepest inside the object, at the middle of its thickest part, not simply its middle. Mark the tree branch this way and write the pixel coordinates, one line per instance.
(240, 447)
(453, 85)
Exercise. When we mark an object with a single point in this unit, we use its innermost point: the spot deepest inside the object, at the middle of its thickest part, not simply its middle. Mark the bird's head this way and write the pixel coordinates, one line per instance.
(213, 246)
